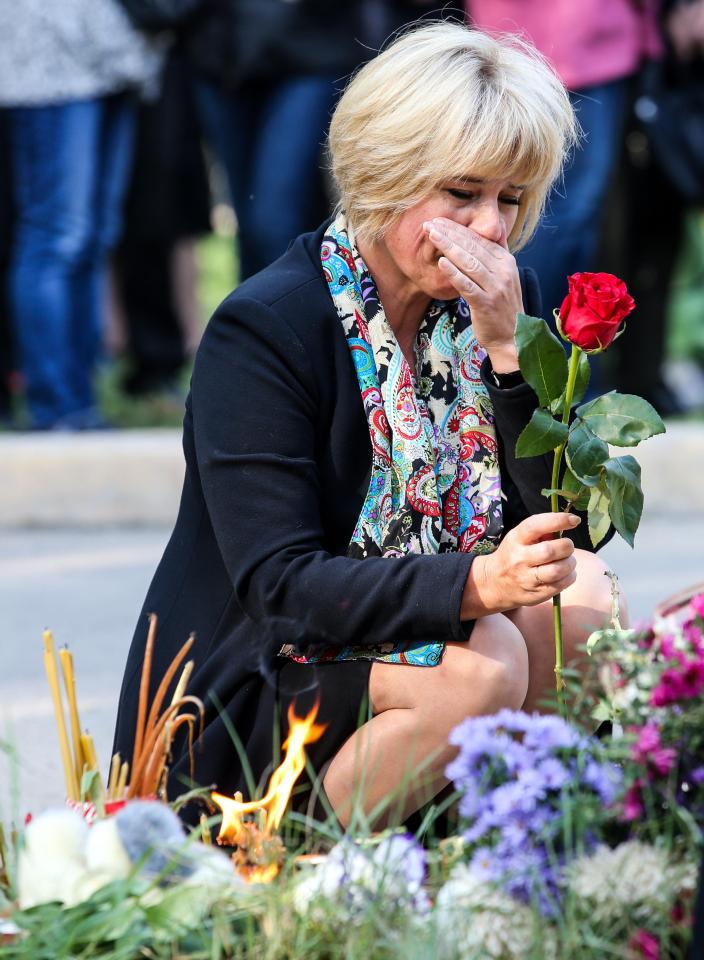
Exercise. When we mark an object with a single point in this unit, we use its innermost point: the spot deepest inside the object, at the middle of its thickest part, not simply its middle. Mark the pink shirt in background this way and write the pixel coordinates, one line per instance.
(587, 41)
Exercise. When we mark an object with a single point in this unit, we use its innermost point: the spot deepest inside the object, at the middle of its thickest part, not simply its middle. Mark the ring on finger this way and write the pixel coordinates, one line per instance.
(538, 581)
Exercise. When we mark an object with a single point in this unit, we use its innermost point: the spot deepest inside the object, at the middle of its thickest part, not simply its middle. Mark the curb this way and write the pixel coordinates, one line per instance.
(127, 477)
(134, 477)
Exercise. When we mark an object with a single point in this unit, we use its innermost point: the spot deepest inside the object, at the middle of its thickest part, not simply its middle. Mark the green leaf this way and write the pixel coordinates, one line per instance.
(585, 452)
(541, 434)
(560, 491)
(602, 712)
(622, 479)
(577, 489)
(541, 358)
(580, 386)
(598, 516)
(621, 418)
(613, 636)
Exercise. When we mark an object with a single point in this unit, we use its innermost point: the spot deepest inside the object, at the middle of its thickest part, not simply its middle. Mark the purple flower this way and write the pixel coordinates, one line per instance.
(553, 773)
(604, 779)
(550, 733)
(512, 769)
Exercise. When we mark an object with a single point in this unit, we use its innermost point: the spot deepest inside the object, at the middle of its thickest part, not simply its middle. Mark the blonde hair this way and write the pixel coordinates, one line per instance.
(445, 102)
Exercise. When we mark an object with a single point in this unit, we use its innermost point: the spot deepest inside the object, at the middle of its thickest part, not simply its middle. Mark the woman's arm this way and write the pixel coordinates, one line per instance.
(255, 412)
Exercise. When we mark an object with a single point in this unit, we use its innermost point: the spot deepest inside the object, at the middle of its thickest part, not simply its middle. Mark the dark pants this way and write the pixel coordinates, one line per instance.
(268, 138)
(168, 200)
(69, 166)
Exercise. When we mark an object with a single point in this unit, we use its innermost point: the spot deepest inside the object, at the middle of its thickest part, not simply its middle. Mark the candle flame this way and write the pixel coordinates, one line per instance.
(302, 730)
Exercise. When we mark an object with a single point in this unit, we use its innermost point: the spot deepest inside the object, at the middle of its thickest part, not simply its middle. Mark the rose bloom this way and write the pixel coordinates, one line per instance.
(593, 310)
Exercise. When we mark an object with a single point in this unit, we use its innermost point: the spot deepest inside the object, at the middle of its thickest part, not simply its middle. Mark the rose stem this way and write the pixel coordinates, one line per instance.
(53, 678)
(555, 507)
(144, 689)
(70, 683)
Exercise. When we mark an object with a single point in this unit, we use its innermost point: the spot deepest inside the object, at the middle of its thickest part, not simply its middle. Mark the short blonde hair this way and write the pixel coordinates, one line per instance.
(441, 102)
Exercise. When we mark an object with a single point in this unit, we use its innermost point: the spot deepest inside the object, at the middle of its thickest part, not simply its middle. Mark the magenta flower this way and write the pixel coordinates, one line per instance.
(697, 605)
(645, 945)
(648, 751)
(633, 802)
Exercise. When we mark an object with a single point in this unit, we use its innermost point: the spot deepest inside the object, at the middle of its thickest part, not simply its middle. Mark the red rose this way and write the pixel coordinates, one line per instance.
(593, 310)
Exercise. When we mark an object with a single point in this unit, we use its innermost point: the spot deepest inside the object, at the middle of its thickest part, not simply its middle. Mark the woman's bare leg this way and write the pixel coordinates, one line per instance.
(585, 607)
(415, 709)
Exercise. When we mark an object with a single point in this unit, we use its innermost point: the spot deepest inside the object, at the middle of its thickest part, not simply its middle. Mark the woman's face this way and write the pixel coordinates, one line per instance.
(490, 207)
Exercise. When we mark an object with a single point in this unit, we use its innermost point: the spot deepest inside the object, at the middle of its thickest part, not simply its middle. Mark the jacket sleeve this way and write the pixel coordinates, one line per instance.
(255, 409)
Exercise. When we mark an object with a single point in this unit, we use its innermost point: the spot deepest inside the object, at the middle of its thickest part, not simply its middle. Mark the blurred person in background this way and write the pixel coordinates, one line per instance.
(595, 47)
(7, 363)
(660, 179)
(266, 84)
(167, 207)
(68, 75)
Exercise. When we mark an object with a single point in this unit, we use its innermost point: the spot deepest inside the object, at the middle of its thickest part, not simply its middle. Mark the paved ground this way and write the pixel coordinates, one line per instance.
(88, 586)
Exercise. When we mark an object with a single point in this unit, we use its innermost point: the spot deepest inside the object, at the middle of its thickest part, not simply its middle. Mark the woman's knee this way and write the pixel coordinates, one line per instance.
(480, 676)
(502, 667)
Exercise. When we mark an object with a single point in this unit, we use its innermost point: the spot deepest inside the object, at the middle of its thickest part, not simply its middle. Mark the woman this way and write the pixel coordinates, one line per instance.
(351, 488)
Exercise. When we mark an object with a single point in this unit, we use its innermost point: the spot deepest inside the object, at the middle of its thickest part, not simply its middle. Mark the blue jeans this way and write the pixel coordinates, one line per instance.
(268, 138)
(70, 164)
(568, 237)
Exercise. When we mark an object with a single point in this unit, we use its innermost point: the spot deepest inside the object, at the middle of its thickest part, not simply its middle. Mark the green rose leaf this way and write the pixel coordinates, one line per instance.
(598, 515)
(585, 452)
(578, 489)
(621, 418)
(541, 434)
(541, 358)
(622, 478)
(580, 386)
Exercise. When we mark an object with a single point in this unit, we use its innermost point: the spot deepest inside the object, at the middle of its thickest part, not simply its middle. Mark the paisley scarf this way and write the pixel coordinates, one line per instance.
(435, 483)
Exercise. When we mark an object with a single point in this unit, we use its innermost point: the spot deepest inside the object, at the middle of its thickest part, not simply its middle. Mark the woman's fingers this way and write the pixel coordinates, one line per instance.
(486, 250)
(460, 260)
(541, 525)
(552, 573)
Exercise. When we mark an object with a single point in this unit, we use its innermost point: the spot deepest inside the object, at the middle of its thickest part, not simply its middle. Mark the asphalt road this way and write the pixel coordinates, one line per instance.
(88, 587)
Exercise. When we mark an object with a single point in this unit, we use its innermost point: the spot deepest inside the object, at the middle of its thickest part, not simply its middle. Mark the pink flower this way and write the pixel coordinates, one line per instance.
(648, 740)
(648, 751)
(681, 683)
(633, 802)
(697, 605)
(645, 945)
(667, 647)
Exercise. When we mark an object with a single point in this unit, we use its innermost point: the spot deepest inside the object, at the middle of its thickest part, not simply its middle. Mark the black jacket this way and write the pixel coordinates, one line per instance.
(278, 458)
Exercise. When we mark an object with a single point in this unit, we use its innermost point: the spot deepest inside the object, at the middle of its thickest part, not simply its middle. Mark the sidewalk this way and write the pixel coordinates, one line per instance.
(134, 477)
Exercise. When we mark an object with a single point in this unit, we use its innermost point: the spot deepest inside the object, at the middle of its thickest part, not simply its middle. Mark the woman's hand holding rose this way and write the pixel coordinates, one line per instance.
(528, 567)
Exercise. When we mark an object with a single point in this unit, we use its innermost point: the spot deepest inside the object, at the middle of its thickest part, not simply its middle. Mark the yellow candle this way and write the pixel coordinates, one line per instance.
(52, 674)
(122, 781)
(114, 776)
(70, 684)
(91, 757)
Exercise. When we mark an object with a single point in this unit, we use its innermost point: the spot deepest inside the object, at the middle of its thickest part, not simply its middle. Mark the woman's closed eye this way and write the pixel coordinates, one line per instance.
(468, 195)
